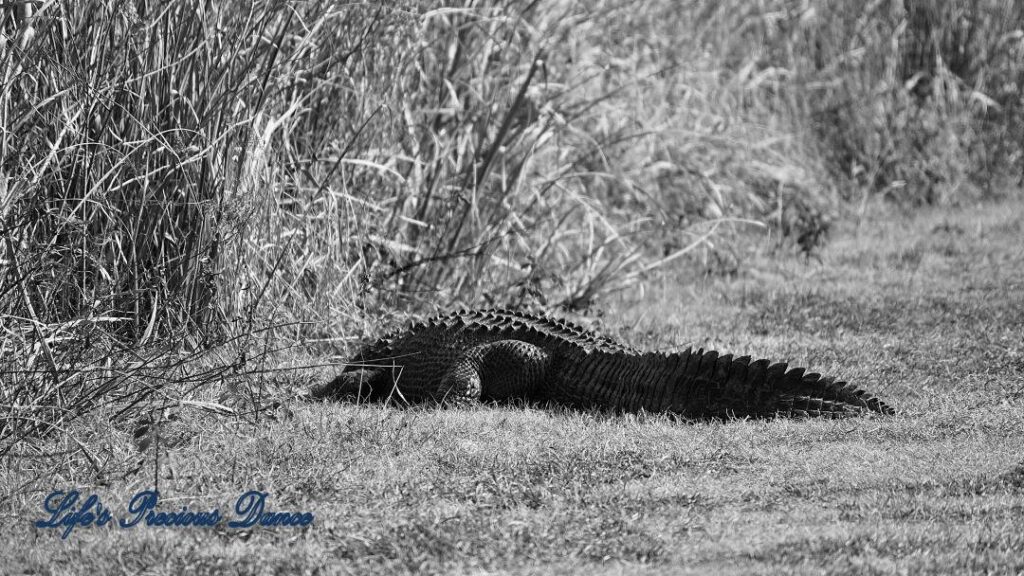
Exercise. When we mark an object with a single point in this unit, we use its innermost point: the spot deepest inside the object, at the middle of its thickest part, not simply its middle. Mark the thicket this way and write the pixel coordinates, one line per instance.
(187, 178)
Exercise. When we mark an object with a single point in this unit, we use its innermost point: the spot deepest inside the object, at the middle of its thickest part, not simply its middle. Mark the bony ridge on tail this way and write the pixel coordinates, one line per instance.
(473, 355)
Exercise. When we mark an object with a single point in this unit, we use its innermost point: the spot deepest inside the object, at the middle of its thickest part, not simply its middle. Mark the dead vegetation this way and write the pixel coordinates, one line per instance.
(195, 194)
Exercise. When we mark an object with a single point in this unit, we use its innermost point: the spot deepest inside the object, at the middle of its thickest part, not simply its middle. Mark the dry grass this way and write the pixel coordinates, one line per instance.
(923, 311)
(202, 203)
(204, 177)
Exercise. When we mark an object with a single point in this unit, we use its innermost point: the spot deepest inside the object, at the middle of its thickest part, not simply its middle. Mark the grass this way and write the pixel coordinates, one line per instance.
(921, 309)
(203, 207)
(186, 186)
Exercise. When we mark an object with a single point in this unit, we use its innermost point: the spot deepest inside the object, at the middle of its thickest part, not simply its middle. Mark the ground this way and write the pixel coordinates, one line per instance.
(923, 310)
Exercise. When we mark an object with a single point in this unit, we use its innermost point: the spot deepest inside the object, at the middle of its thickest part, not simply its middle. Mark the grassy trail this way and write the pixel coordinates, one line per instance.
(925, 312)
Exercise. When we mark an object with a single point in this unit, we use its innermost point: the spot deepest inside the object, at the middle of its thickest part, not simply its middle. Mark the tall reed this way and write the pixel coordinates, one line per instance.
(193, 175)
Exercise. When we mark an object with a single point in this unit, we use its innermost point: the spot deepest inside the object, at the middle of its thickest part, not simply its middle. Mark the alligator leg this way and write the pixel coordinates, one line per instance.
(502, 370)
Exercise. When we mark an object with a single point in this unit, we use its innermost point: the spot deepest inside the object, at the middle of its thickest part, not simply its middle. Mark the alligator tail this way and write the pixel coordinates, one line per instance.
(765, 389)
(701, 384)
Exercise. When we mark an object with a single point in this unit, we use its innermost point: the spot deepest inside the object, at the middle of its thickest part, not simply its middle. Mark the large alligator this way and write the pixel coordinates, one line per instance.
(508, 355)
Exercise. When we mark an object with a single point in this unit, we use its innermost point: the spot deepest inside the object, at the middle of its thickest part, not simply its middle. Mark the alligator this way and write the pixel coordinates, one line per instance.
(506, 355)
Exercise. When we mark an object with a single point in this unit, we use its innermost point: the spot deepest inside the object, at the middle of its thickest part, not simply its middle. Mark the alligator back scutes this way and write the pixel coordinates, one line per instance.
(509, 324)
(551, 326)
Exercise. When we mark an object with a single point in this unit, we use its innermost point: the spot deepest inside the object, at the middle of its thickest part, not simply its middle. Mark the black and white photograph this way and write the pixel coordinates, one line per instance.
(525, 287)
